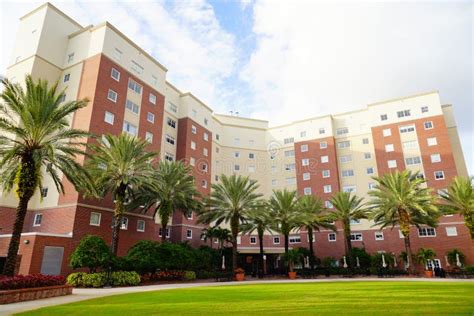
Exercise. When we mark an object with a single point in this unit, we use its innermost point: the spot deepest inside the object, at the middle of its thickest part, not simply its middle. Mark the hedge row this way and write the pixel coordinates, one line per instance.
(30, 281)
(119, 278)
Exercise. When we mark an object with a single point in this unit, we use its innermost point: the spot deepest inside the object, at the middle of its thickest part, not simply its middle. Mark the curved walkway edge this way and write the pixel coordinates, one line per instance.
(85, 294)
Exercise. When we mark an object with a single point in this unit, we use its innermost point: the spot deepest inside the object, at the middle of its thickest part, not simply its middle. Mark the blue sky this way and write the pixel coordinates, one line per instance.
(287, 60)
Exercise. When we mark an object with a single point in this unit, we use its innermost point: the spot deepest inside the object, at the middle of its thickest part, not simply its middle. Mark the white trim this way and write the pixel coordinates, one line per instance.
(90, 217)
(39, 234)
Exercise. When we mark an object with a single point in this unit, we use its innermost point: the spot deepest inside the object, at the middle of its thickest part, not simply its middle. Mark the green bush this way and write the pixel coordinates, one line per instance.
(189, 275)
(469, 270)
(144, 256)
(364, 257)
(92, 252)
(329, 262)
(376, 261)
(452, 259)
(125, 278)
(76, 279)
(96, 280)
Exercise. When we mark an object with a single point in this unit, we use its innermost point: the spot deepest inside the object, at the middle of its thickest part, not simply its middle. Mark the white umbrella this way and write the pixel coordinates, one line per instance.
(357, 262)
(223, 263)
(384, 264)
(306, 262)
(395, 260)
(447, 261)
(345, 262)
(458, 261)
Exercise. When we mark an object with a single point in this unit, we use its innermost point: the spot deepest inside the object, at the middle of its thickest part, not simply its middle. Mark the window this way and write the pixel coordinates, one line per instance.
(276, 240)
(169, 139)
(332, 237)
(356, 237)
(365, 141)
(372, 185)
(189, 234)
(124, 223)
(132, 85)
(370, 170)
(67, 77)
(112, 95)
(194, 113)
(439, 175)
(204, 183)
(154, 80)
(383, 117)
(303, 134)
(150, 117)
(403, 113)
(344, 144)
(134, 108)
(193, 145)
(192, 161)
(140, 225)
(424, 109)
(327, 188)
(206, 121)
(205, 152)
(160, 232)
(324, 159)
(115, 74)
(137, 68)
(342, 131)
(130, 128)
(407, 129)
(253, 240)
(378, 236)
(237, 154)
(326, 173)
(367, 155)
(328, 204)
(412, 161)
(193, 129)
(117, 54)
(44, 192)
(62, 98)
(217, 137)
(288, 140)
(173, 108)
(387, 132)
(294, 239)
(274, 168)
(413, 144)
(251, 169)
(94, 219)
(389, 148)
(251, 156)
(38, 219)
(305, 162)
(322, 131)
(435, 158)
(428, 125)
(290, 166)
(291, 180)
(169, 156)
(171, 122)
(323, 145)
(307, 191)
(70, 57)
(109, 118)
(451, 231)
(345, 158)
(426, 232)
(289, 153)
(274, 182)
(306, 176)
(217, 149)
(432, 141)
(236, 141)
(304, 148)
(392, 163)
(205, 136)
(349, 188)
(149, 137)
(152, 98)
(355, 221)
(347, 173)
(236, 167)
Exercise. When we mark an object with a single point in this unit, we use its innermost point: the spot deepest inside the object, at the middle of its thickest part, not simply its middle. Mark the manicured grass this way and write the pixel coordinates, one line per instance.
(299, 298)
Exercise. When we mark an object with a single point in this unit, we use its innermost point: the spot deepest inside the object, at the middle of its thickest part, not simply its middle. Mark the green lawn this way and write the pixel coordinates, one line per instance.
(327, 298)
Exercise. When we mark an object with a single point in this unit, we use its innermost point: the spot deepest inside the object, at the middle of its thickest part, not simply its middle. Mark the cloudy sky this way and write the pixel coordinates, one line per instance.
(287, 60)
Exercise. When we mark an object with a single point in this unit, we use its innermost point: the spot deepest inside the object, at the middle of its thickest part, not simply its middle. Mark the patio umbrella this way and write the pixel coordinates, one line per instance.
(357, 262)
(223, 263)
(345, 262)
(306, 262)
(458, 261)
(395, 260)
(447, 261)
(384, 264)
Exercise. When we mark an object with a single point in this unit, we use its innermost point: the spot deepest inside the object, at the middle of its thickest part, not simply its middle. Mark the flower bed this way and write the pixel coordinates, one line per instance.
(30, 281)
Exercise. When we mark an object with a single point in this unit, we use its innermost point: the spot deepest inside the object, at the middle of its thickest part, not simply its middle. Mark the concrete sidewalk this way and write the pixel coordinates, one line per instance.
(85, 294)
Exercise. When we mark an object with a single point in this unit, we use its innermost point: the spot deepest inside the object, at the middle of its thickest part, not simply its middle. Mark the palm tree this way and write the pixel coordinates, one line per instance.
(460, 199)
(173, 189)
(209, 233)
(400, 198)
(35, 136)
(119, 166)
(285, 213)
(347, 208)
(223, 235)
(229, 202)
(258, 220)
(316, 219)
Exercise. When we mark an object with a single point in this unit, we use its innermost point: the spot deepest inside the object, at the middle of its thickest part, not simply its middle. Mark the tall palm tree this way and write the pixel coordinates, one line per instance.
(284, 211)
(209, 233)
(173, 189)
(316, 219)
(35, 135)
(119, 166)
(400, 198)
(347, 207)
(259, 220)
(460, 199)
(223, 235)
(229, 202)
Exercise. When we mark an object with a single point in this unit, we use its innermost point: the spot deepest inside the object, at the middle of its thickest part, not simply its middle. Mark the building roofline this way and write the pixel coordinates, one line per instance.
(189, 94)
(173, 87)
(51, 6)
(404, 98)
(241, 118)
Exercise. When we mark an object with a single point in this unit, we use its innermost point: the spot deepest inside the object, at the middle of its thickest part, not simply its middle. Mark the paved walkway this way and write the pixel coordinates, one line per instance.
(84, 294)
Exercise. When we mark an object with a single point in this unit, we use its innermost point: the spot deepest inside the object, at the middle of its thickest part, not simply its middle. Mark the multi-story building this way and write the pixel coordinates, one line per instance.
(128, 92)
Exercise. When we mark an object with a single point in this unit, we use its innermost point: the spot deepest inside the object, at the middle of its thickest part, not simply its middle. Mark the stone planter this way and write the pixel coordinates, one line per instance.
(35, 293)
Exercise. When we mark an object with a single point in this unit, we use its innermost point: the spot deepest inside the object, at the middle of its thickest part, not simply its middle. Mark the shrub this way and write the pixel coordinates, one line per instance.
(469, 270)
(452, 257)
(144, 256)
(76, 279)
(119, 278)
(329, 262)
(125, 278)
(189, 275)
(214, 274)
(376, 261)
(364, 257)
(30, 281)
(92, 252)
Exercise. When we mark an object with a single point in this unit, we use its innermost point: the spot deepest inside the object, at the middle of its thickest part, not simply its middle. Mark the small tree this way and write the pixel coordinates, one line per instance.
(452, 258)
(424, 255)
(292, 257)
(92, 252)
(144, 256)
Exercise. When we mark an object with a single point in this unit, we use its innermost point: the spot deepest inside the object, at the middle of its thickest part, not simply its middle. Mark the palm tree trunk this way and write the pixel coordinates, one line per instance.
(311, 248)
(287, 241)
(347, 235)
(116, 222)
(411, 266)
(27, 182)
(164, 226)
(262, 262)
(235, 232)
